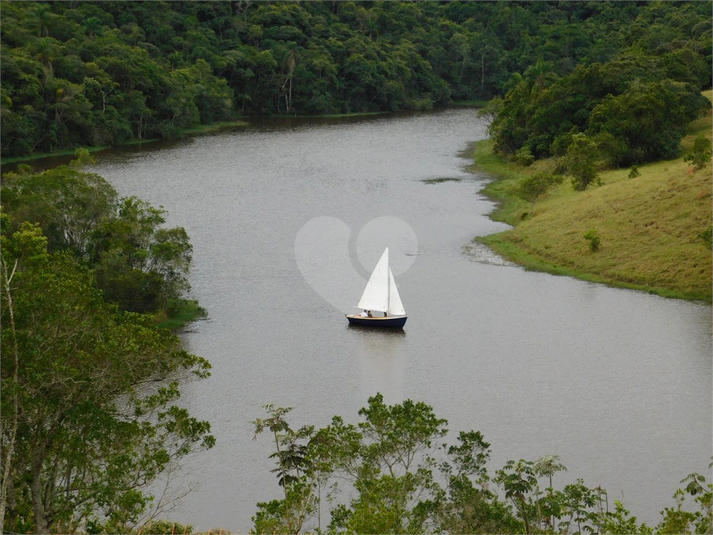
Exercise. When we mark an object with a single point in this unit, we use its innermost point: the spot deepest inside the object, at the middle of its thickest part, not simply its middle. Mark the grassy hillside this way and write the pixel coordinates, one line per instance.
(649, 226)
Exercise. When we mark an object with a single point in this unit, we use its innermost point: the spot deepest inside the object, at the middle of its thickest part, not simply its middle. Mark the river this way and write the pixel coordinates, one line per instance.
(288, 217)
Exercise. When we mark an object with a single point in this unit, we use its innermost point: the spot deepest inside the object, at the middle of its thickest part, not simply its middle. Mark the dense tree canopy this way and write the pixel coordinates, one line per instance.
(635, 105)
(139, 265)
(88, 404)
(101, 73)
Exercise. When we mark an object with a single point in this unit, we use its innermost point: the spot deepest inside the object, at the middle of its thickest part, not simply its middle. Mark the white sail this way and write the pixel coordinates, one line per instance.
(376, 293)
(396, 307)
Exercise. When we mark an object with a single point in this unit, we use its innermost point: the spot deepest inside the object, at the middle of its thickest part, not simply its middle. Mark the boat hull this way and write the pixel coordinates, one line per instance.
(389, 322)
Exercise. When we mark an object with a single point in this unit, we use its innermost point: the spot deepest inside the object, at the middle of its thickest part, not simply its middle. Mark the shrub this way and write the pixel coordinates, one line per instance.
(700, 153)
(594, 240)
(524, 157)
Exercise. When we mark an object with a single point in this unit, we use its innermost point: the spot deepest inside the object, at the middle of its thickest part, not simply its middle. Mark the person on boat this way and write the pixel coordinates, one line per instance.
(368, 313)
(364, 314)
(385, 314)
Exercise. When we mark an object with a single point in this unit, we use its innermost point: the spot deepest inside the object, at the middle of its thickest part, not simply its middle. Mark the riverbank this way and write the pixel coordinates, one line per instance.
(199, 129)
(652, 228)
(179, 313)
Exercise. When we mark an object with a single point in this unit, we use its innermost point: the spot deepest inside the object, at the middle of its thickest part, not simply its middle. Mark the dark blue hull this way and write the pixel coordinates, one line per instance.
(389, 322)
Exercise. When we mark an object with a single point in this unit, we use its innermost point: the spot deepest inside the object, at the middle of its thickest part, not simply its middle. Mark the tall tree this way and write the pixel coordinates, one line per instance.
(91, 395)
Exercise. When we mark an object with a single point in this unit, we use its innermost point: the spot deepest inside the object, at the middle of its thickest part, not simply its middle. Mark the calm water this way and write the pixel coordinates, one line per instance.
(287, 218)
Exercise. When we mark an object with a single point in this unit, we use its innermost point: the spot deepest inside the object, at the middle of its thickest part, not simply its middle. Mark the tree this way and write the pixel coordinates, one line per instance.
(548, 466)
(394, 467)
(399, 480)
(519, 480)
(533, 187)
(388, 460)
(467, 505)
(539, 76)
(581, 156)
(67, 203)
(295, 473)
(648, 119)
(81, 73)
(700, 153)
(621, 522)
(576, 505)
(679, 520)
(91, 394)
(138, 264)
(491, 110)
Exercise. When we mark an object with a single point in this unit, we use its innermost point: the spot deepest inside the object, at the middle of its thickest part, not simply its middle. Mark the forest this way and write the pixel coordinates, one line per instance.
(90, 382)
(104, 73)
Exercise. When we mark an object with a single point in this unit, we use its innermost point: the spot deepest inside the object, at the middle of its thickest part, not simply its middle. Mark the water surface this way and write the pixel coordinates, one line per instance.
(288, 217)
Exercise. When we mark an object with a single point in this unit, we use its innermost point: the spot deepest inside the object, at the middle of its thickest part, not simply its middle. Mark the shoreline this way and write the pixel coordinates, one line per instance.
(209, 128)
(187, 132)
(520, 244)
(180, 314)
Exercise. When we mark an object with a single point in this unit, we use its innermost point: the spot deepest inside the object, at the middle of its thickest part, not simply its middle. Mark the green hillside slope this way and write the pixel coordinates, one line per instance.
(652, 228)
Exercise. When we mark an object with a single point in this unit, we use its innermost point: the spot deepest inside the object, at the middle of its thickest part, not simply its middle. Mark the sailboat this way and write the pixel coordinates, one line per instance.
(380, 301)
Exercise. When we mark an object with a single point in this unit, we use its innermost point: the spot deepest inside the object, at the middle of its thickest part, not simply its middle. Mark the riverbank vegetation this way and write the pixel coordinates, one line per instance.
(89, 380)
(394, 472)
(136, 263)
(88, 396)
(107, 73)
(652, 222)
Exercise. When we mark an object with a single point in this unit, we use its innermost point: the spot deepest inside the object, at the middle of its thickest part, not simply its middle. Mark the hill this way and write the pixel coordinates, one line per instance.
(652, 228)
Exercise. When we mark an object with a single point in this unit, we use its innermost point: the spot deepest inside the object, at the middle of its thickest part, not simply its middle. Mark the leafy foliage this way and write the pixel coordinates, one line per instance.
(648, 119)
(580, 161)
(91, 392)
(635, 103)
(534, 186)
(103, 73)
(398, 475)
(592, 236)
(138, 264)
(700, 153)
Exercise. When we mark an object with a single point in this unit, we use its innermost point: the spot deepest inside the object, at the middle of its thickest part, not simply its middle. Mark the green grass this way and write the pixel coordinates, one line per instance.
(179, 313)
(648, 225)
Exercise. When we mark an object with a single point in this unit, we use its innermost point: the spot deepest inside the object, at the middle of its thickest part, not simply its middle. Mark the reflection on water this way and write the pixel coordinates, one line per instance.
(377, 334)
(382, 359)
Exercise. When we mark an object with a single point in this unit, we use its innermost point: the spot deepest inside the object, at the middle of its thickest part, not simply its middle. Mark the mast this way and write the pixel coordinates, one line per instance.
(388, 282)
